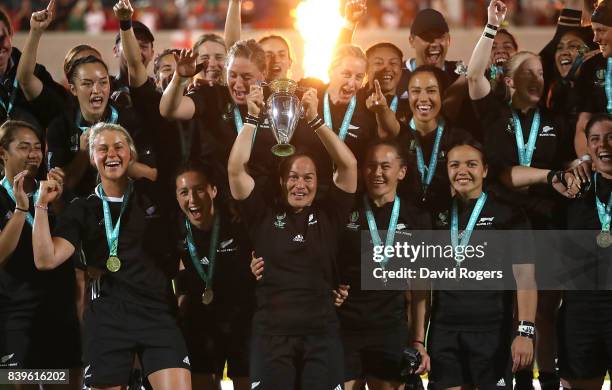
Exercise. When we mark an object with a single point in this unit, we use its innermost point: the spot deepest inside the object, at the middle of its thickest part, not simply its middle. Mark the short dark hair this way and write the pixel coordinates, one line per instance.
(468, 141)
(6, 20)
(287, 162)
(199, 167)
(439, 74)
(74, 65)
(399, 149)
(161, 55)
(384, 45)
(595, 119)
(73, 53)
(509, 35)
(250, 50)
(9, 128)
(278, 37)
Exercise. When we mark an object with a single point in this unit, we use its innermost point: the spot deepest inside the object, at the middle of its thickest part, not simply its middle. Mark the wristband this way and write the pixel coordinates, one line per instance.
(125, 24)
(526, 329)
(586, 157)
(560, 175)
(39, 206)
(492, 26)
(418, 342)
(316, 123)
(251, 120)
(488, 35)
(22, 210)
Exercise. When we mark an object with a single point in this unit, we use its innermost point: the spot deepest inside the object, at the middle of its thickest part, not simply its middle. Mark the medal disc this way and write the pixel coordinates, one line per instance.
(113, 264)
(207, 296)
(604, 239)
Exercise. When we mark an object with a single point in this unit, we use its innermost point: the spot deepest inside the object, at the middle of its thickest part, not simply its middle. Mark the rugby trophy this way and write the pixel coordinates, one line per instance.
(284, 111)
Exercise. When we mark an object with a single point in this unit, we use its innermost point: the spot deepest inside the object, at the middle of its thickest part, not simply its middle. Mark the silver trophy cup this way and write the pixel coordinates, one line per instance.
(284, 112)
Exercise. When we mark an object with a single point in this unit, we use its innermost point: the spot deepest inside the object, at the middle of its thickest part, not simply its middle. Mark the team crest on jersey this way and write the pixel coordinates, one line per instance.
(442, 219)
(600, 75)
(510, 126)
(280, 221)
(354, 218)
(485, 221)
(312, 220)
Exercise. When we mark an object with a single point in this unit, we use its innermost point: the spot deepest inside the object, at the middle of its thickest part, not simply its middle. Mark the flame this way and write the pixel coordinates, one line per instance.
(319, 23)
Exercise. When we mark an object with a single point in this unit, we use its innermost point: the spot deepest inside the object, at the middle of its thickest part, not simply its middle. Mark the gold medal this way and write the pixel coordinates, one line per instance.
(113, 264)
(207, 296)
(604, 239)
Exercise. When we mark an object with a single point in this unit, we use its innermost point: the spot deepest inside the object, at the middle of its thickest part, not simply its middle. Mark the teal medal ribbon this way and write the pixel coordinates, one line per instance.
(9, 189)
(207, 277)
(467, 233)
(427, 172)
(394, 103)
(495, 70)
(525, 151)
(12, 98)
(113, 119)
(604, 212)
(239, 123)
(348, 115)
(609, 86)
(113, 263)
(376, 240)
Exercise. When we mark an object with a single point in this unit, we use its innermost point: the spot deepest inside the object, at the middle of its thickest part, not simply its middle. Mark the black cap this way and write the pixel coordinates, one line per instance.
(141, 31)
(429, 23)
(603, 13)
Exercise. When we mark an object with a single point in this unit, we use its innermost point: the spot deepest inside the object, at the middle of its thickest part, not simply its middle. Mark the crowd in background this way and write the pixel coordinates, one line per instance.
(95, 16)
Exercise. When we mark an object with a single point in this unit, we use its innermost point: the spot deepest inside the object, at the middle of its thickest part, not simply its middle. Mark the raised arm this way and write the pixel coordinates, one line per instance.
(241, 183)
(388, 125)
(345, 176)
(233, 23)
(354, 11)
(173, 104)
(136, 69)
(49, 252)
(31, 85)
(518, 177)
(478, 84)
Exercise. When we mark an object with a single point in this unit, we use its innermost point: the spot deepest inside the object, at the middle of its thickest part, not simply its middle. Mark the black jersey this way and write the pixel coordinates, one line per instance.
(592, 85)
(214, 109)
(587, 258)
(63, 139)
(24, 289)
(147, 244)
(299, 250)
(362, 130)
(483, 310)
(437, 195)
(373, 310)
(233, 284)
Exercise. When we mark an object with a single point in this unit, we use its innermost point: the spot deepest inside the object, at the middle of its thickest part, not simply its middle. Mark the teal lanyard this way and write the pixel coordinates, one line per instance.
(112, 233)
(427, 172)
(207, 277)
(393, 105)
(603, 211)
(495, 70)
(389, 240)
(609, 86)
(113, 119)
(525, 151)
(348, 115)
(238, 123)
(467, 233)
(9, 189)
(12, 98)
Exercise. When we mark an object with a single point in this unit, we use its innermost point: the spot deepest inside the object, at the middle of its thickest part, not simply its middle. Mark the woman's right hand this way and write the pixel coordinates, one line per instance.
(186, 63)
(21, 198)
(496, 12)
(41, 20)
(257, 266)
(50, 191)
(84, 141)
(255, 100)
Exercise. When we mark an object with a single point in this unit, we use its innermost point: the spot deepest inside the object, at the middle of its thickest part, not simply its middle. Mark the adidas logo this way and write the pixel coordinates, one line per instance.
(298, 238)
(85, 372)
(339, 387)
(254, 385)
(501, 383)
(186, 361)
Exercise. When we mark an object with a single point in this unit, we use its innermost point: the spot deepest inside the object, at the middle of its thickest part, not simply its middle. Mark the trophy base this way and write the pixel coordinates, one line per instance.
(283, 150)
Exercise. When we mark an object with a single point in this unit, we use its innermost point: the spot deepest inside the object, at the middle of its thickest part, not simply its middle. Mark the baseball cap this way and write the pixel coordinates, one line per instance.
(429, 24)
(141, 31)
